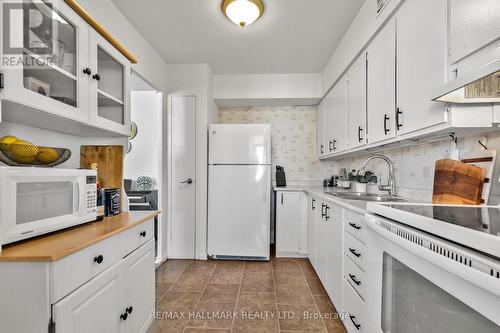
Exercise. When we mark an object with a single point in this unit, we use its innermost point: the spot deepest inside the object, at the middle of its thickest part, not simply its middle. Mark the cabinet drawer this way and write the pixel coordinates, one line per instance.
(355, 225)
(354, 307)
(355, 276)
(74, 270)
(137, 236)
(355, 250)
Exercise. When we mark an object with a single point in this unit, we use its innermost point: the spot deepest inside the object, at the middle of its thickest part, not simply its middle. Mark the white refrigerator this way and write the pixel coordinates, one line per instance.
(239, 191)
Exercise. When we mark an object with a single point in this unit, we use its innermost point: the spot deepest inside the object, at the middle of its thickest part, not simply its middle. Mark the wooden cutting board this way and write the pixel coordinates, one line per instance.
(457, 183)
(109, 161)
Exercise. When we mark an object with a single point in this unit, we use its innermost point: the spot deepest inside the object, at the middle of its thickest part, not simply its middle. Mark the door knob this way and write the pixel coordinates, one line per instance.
(188, 181)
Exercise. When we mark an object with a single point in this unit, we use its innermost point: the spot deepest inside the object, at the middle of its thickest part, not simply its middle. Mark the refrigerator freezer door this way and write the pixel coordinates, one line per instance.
(240, 144)
(239, 211)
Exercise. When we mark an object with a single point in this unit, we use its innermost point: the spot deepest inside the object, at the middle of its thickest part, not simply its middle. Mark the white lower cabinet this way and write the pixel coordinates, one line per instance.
(334, 255)
(291, 224)
(312, 214)
(116, 296)
(91, 307)
(321, 243)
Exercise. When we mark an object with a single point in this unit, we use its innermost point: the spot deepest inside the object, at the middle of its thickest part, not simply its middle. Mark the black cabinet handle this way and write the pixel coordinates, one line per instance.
(334, 145)
(96, 76)
(312, 203)
(281, 198)
(130, 309)
(386, 119)
(353, 278)
(87, 71)
(360, 139)
(358, 326)
(322, 210)
(355, 226)
(99, 259)
(353, 251)
(330, 145)
(124, 316)
(322, 149)
(398, 112)
(326, 212)
(142, 234)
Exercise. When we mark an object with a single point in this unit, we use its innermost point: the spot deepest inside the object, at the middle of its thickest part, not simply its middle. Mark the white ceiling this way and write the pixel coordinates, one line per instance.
(293, 36)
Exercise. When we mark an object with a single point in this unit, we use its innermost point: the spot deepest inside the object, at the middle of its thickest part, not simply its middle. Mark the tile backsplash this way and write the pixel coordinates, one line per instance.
(294, 147)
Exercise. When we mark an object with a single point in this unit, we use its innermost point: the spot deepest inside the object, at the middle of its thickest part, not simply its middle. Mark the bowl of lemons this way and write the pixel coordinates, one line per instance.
(17, 152)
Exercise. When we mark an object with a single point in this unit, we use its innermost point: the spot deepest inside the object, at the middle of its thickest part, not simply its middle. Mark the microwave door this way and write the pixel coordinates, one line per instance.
(41, 207)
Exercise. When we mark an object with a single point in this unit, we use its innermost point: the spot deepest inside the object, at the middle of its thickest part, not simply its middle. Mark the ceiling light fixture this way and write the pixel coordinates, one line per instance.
(242, 12)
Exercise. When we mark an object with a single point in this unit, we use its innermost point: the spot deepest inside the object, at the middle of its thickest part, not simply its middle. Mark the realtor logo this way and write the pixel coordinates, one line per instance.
(29, 37)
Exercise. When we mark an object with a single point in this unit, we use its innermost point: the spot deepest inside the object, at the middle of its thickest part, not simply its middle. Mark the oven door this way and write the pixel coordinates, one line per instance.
(419, 283)
(32, 205)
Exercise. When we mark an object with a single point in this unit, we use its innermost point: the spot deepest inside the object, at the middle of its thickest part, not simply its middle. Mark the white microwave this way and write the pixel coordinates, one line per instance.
(35, 201)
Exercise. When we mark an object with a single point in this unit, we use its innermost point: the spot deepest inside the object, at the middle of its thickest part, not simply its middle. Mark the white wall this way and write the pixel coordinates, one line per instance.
(267, 89)
(143, 160)
(364, 27)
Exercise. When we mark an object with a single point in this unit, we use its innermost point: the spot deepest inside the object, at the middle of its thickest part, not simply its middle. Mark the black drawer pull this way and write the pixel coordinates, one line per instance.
(142, 234)
(353, 251)
(99, 259)
(312, 203)
(322, 210)
(124, 316)
(358, 326)
(355, 226)
(87, 71)
(353, 278)
(360, 139)
(96, 77)
(130, 309)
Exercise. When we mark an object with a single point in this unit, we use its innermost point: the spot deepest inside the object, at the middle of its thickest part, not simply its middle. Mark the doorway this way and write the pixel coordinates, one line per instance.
(182, 176)
(143, 161)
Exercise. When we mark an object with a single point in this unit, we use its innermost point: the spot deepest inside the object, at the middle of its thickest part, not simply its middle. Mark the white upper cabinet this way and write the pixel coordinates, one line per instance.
(329, 123)
(382, 85)
(109, 90)
(320, 124)
(357, 103)
(69, 72)
(421, 64)
(339, 136)
(473, 25)
(50, 77)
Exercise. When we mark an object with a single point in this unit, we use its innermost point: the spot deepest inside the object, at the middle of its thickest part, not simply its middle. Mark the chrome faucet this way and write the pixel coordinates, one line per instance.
(391, 185)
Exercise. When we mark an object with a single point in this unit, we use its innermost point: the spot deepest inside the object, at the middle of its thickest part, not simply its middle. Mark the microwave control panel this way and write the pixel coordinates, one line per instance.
(91, 194)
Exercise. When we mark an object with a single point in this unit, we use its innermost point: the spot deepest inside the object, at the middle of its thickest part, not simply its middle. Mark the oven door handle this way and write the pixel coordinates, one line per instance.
(76, 197)
(471, 275)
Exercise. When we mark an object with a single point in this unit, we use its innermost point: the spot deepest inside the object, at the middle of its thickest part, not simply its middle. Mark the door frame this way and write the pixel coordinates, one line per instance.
(162, 219)
(170, 182)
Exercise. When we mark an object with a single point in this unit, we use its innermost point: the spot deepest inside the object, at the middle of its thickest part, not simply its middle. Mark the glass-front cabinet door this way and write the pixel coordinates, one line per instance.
(110, 95)
(45, 57)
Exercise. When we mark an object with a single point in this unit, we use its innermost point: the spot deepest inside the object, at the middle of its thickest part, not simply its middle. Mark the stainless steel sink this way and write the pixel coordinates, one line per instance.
(366, 196)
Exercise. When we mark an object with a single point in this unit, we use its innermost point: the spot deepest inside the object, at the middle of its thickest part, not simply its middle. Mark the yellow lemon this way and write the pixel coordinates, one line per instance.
(23, 160)
(22, 149)
(6, 141)
(47, 155)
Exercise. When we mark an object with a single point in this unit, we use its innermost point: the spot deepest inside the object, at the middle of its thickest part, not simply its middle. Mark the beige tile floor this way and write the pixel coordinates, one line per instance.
(235, 296)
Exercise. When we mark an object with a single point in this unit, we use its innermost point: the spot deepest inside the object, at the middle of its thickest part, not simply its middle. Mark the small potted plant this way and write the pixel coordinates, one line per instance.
(360, 181)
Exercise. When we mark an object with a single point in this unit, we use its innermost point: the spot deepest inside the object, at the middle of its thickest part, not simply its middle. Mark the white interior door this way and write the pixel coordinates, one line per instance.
(183, 148)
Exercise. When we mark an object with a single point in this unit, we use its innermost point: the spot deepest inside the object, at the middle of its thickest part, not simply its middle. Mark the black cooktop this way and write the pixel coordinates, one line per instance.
(483, 219)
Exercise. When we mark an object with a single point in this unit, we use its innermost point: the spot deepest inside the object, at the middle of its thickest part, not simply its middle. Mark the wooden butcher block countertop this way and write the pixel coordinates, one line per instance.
(57, 245)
